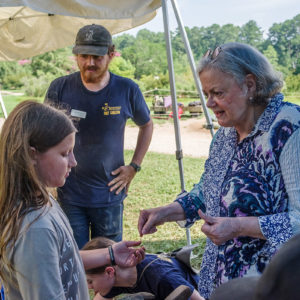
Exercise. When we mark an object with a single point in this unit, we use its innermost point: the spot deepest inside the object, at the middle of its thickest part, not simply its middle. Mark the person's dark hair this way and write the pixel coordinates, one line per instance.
(97, 243)
(239, 60)
(30, 124)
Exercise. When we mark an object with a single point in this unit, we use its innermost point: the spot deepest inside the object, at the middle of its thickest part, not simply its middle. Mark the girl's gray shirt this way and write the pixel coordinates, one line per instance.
(46, 259)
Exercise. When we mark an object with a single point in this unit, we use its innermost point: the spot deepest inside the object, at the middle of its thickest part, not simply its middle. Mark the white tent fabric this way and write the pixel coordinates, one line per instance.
(30, 27)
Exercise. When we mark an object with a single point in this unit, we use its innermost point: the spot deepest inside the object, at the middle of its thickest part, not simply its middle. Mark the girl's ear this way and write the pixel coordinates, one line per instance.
(110, 271)
(33, 154)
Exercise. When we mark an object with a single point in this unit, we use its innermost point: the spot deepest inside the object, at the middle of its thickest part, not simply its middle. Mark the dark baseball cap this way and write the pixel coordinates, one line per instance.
(279, 281)
(93, 40)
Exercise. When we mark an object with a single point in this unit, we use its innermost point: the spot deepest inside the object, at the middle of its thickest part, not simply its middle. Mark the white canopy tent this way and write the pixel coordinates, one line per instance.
(31, 27)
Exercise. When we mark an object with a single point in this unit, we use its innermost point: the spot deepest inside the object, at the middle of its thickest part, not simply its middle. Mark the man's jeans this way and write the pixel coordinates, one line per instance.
(95, 221)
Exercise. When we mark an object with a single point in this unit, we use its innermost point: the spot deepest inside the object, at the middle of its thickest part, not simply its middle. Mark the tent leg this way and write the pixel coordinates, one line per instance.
(179, 154)
(192, 65)
(3, 106)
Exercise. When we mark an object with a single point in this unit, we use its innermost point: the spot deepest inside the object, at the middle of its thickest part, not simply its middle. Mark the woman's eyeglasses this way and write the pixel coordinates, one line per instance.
(212, 54)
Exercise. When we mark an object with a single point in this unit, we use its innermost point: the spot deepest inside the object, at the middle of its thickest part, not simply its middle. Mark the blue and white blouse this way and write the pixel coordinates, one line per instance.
(259, 176)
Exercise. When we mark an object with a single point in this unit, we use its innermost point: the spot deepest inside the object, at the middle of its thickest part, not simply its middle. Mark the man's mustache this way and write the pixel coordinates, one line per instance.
(92, 68)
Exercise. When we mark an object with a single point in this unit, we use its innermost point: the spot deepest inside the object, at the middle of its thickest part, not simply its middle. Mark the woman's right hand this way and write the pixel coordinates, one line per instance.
(149, 219)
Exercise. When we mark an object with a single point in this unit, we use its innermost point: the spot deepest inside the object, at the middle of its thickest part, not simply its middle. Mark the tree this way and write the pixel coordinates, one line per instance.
(272, 56)
(227, 33)
(251, 34)
(59, 62)
(285, 39)
(123, 41)
(122, 67)
(147, 57)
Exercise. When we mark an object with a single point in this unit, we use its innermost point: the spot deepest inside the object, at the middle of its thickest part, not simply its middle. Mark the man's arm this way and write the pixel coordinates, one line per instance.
(126, 173)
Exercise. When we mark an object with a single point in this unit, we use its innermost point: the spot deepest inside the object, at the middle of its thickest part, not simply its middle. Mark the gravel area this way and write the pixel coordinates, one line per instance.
(195, 139)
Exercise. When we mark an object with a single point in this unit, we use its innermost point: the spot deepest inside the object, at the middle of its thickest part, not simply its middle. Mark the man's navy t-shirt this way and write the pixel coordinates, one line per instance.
(101, 118)
(160, 278)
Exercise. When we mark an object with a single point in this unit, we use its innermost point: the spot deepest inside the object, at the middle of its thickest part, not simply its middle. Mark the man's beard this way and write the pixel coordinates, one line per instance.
(96, 76)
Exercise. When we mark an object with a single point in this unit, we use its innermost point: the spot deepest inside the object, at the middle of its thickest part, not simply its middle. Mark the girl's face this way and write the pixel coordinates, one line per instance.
(54, 165)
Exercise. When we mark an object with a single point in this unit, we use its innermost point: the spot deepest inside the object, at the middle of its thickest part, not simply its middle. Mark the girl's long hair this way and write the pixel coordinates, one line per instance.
(30, 124)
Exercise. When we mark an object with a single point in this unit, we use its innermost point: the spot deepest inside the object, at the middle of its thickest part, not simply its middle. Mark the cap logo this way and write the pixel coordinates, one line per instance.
(89, 35)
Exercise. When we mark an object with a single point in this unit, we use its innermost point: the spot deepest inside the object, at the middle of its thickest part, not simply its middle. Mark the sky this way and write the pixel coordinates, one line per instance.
(238, 12)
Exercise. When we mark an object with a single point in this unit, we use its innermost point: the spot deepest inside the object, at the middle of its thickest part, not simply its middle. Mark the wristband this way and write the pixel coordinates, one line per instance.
(136, 167)
(111, 255)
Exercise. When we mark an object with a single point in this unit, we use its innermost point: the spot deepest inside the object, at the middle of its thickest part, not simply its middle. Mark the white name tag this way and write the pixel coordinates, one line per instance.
(78, 113)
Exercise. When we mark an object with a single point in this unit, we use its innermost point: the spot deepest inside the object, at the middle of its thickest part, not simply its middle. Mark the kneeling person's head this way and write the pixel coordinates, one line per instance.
(101, 279)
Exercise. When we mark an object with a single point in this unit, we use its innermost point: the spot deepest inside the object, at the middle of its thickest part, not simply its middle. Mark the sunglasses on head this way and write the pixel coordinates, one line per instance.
(212, 54)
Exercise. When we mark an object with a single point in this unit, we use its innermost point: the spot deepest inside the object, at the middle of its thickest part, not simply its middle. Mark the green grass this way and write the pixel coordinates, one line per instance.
(155, 185)
(293, 98)
(10, 101)
(158, 184)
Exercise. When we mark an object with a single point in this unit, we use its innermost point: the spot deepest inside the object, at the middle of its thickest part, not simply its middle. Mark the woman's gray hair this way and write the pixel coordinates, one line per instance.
(239, 60)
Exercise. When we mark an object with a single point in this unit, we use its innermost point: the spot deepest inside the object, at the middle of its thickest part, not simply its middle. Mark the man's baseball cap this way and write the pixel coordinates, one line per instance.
(92, 40)
(279, 281)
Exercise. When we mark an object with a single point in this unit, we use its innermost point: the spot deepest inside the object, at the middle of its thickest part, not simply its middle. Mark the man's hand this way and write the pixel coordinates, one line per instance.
(124, 176)
(126, 256)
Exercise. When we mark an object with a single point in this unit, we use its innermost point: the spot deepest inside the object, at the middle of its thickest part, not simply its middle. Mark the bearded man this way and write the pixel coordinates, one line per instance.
(100, 102)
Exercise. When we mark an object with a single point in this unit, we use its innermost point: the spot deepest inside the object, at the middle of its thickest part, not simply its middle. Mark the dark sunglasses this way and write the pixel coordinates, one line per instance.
(212, 54)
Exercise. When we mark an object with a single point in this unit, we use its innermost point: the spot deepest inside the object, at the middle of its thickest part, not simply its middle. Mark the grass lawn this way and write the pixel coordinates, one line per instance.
(293, 98)
(158, 184)
(10, 101)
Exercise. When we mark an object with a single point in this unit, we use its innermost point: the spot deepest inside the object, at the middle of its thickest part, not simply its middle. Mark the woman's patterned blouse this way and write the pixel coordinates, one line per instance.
(247, 179)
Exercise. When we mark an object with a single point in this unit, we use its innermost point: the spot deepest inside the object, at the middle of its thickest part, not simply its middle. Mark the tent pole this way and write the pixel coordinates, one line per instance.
(192, 65)
(3, 106)
(179, 154)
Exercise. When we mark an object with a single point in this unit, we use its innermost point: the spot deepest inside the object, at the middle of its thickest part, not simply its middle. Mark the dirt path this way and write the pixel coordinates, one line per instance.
(195, 140)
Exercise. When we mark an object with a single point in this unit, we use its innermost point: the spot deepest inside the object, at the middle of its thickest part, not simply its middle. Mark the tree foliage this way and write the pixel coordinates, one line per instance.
(143, 57)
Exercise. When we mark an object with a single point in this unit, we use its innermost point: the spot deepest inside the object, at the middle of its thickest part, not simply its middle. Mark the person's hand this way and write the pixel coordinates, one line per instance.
(219, 229)
(149, 219)
(124, 176)
(126, 256)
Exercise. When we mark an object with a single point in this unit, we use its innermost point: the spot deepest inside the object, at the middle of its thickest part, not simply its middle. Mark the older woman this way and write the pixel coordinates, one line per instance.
(249, 193)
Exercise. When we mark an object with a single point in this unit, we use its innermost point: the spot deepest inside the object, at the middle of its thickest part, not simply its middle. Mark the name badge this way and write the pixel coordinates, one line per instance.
(78, 113)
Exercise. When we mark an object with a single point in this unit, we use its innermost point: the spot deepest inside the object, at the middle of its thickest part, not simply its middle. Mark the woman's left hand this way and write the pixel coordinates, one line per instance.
(219, 229)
